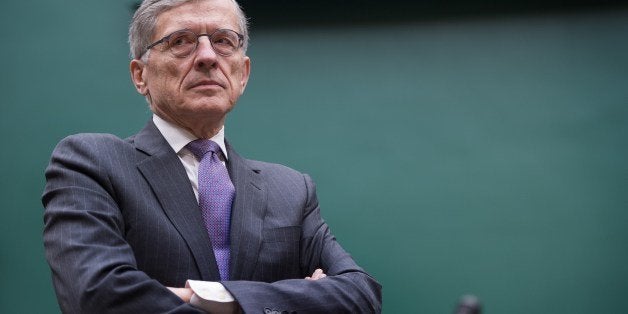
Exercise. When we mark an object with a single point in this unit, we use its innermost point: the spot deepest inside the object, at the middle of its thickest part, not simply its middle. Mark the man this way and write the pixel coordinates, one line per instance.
(173, 215)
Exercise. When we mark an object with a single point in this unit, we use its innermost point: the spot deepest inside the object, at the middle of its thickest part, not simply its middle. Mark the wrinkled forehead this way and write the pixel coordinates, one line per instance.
(198, 15)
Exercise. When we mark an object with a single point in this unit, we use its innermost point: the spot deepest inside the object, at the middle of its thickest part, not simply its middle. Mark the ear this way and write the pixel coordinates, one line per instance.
(246, 72)
(137, 68)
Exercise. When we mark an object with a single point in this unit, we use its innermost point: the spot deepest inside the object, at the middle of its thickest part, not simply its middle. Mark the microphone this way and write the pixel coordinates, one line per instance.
(468, 304)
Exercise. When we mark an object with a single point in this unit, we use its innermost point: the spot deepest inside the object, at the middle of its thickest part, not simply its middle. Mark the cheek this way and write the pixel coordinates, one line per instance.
(167, 76)
(237, 71)
(163, 86)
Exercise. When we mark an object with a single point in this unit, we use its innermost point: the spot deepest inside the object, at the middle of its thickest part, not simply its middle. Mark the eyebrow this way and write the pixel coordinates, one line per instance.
(178, 30)
(192, 24)
(189, 25)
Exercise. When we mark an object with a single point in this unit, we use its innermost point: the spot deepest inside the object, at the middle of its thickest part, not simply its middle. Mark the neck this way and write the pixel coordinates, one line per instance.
(204, 129)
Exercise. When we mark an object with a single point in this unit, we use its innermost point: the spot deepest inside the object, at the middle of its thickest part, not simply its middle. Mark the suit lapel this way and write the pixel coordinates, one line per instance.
(165, 174)
(247, 216)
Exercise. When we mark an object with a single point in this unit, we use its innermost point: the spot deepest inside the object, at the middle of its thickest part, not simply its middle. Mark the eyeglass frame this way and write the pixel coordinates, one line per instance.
(166, 38)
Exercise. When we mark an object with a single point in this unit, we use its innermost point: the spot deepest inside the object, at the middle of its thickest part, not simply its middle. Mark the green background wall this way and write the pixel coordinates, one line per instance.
(453, 155)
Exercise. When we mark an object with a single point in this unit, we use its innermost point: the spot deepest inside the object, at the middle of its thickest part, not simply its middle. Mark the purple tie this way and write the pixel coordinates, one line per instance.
(215, 196)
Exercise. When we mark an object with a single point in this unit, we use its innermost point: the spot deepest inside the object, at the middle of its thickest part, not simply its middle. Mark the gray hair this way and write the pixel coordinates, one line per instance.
(145, 19)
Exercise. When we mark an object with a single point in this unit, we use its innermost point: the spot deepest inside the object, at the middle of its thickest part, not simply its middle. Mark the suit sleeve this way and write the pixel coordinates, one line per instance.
(346, 289)
(93, 267)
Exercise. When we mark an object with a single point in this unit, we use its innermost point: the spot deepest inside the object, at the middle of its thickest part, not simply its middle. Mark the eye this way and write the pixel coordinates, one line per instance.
(182, 39)
(225, 38)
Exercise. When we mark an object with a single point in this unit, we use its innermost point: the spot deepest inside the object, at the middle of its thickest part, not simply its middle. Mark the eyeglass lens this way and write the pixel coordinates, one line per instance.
(182, 43)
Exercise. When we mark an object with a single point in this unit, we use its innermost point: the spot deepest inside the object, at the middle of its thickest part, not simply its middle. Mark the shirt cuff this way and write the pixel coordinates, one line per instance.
(212, 296)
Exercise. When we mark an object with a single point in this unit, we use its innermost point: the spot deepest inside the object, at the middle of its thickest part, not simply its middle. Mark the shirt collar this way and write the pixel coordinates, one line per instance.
(177, 137)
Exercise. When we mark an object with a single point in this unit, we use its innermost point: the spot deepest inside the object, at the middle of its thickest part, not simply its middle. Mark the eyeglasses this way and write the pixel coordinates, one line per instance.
(184, 42)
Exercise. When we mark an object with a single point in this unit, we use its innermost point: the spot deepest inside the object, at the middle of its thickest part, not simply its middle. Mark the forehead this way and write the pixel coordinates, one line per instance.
(201, 16)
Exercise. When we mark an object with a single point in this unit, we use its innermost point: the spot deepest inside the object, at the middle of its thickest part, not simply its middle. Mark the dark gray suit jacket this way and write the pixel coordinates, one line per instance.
(122, 222)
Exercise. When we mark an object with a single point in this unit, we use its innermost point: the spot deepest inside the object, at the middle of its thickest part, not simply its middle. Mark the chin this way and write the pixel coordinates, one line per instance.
(211, 109)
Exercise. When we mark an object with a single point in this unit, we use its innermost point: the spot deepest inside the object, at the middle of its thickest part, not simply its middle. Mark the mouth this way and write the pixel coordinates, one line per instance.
(202, 84)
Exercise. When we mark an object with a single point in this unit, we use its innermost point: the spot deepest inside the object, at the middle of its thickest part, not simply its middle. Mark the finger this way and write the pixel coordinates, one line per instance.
(318, 274)
(184, 293)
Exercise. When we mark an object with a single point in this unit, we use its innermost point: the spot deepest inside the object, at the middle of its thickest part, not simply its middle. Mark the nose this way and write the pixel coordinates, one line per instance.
(206, 57)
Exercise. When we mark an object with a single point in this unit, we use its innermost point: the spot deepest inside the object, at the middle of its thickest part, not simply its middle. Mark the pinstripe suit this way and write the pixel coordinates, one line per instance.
(122, 222)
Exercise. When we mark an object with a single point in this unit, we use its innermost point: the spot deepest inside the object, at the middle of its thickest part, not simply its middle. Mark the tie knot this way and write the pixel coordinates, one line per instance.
(201, 147)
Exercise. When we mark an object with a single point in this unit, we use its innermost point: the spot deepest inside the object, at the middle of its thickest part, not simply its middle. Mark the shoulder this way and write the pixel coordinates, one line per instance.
(93, 140)
(92, 146)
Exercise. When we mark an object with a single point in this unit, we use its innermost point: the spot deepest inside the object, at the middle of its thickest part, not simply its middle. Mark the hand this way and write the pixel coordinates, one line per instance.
(184, 293)
(318, 274)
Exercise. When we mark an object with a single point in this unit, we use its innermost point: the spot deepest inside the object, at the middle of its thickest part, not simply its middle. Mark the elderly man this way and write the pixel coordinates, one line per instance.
(172, 219)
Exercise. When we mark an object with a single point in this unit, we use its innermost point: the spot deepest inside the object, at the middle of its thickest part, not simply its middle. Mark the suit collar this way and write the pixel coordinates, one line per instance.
(150, 141)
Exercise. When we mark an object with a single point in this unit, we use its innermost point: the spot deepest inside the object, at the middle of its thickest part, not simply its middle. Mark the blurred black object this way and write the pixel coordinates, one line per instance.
(468, 304)
(280, 13)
